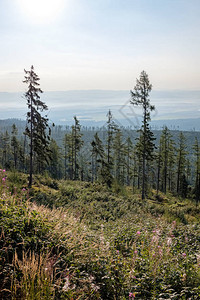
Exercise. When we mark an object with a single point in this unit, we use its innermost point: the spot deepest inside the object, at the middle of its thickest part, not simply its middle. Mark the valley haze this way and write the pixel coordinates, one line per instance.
(175, 108)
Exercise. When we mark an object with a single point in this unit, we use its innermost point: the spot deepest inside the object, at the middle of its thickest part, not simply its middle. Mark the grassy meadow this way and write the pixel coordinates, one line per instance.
(79, 240)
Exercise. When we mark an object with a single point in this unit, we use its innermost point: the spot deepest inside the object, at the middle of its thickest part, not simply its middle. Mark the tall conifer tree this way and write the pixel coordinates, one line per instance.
(196, 149)
(98, 156)
(37, 128)
(73, 144)
(15, 145)
(119, 157)
(108, 164)
(140, 97)
(181, 162)
(77, 144)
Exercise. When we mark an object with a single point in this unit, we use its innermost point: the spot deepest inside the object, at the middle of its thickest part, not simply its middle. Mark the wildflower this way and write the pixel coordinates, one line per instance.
(131, 295)
(117, 251)
(4, 170)
(135, 251)
(3, 179)
(138, 232)
(184, 254)
(23, 189)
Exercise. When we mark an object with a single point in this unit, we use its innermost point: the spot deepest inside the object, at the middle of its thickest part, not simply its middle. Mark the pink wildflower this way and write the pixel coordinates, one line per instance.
(117, 251)
(3, 179)
(131, 295)
(4, 170)
(184, 254)
(138, 232)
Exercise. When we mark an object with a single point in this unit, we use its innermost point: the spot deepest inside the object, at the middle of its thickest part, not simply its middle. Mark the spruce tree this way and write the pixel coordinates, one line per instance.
(140, 97)
(98, 156)
(68, 155)
(77, 144)
(136, 170)
(181, 163)
(15, 145)
(196, 149)
(65, 143)
(171, 165)
(159, 163)
(129, 158)
(55, 164)
(37, 128)
(119, 157)
(166, 155)
(73, 144)
(6, 150)
(111, 129)
(108, 164)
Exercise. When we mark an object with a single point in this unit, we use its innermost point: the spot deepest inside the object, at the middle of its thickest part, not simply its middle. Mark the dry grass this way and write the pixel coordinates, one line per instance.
(37, 277)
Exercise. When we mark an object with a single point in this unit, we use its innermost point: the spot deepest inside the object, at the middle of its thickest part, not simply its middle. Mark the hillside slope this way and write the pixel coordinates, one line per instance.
(75, 240)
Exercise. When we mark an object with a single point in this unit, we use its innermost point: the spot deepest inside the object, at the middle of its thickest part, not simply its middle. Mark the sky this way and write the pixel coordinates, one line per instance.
(100, 44)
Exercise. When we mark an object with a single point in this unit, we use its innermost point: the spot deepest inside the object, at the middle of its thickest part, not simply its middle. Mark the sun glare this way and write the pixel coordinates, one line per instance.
(41, 11)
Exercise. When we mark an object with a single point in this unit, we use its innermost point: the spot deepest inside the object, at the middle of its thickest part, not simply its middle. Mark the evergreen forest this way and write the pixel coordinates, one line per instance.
(98, 213)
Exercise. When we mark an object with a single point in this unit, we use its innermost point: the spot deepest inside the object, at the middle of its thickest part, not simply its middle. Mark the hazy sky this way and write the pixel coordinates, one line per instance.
(100, 44)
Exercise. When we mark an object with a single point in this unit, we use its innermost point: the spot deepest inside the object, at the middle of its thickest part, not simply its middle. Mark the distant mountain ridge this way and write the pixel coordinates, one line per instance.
(175, 124)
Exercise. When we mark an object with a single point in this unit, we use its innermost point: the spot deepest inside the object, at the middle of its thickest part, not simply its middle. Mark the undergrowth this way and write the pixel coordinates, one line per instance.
(75, 240)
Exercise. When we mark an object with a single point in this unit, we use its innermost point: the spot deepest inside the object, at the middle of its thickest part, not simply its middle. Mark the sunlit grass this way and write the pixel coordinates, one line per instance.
(94, 243)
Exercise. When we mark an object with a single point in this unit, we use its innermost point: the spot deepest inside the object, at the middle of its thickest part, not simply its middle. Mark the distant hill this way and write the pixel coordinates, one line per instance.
(174, 124)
